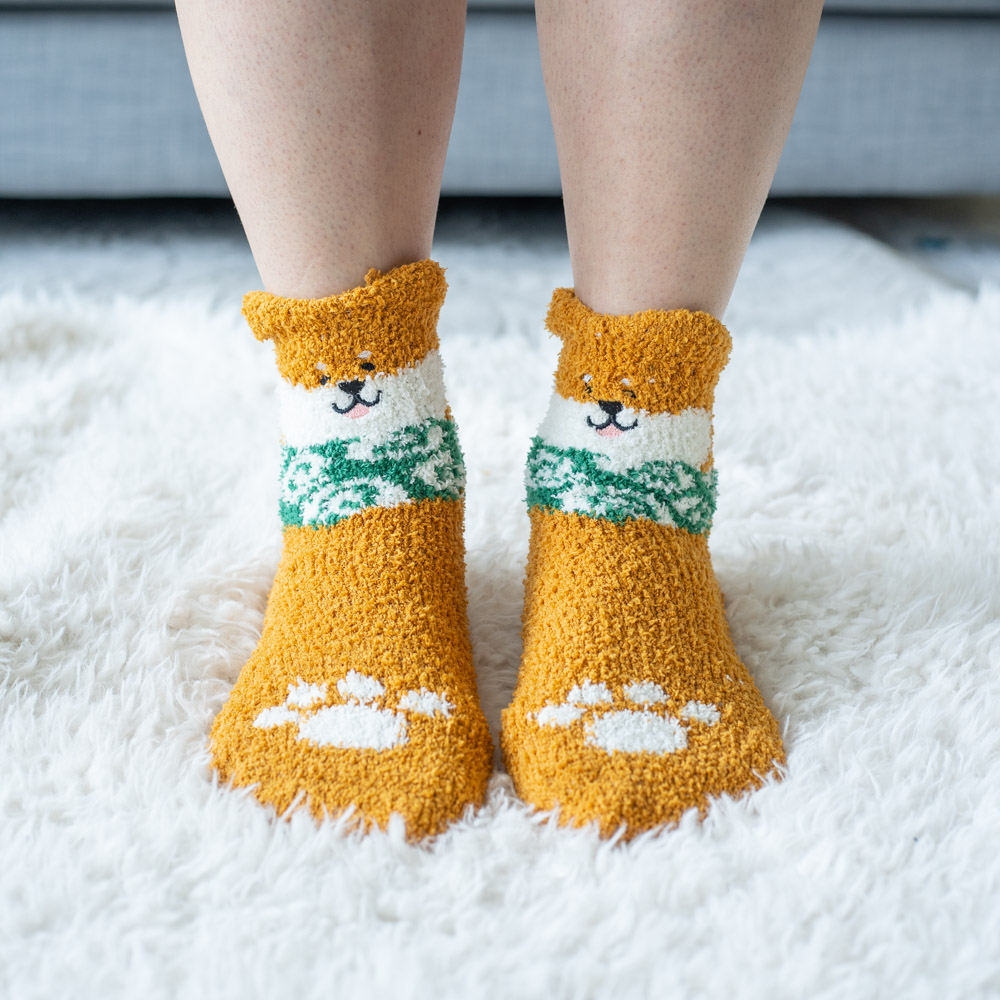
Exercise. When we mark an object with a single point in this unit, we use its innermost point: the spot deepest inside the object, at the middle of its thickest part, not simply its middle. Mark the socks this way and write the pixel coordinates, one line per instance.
(631, 704)
(361, 694)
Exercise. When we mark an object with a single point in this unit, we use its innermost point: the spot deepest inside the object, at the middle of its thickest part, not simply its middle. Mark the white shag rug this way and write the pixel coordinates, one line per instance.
(857, 544)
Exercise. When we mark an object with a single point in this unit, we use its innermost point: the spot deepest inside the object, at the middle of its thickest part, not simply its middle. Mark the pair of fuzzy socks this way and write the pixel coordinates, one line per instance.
(631, 704)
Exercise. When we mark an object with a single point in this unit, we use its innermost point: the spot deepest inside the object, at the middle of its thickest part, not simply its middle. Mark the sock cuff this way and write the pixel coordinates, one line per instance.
(390, 322)
(663, 360)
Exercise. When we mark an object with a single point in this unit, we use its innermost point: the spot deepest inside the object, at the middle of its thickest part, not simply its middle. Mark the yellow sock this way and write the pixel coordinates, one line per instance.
(631, 704)
(361, 692)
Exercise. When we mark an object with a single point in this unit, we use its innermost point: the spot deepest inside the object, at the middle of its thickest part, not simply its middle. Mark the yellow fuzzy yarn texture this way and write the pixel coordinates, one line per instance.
(396, 311)
(632, 611)
(671, 360)
(380, 596)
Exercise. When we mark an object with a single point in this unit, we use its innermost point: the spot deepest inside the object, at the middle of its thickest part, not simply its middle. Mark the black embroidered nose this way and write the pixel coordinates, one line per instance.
(351, 388)
(610, 407)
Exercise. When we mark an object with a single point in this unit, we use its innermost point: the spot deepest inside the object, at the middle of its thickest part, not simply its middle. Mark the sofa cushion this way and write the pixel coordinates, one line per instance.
(953, 7)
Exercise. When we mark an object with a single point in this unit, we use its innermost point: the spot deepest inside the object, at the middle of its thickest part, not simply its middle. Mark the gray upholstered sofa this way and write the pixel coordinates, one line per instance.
(902, 96)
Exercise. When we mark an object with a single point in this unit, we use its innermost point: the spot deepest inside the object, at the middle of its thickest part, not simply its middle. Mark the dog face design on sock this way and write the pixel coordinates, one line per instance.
(369, 399)
(643, 725)
(372, 432)
(614, 444)
(621, 433)
(355, 403)
(356, 721)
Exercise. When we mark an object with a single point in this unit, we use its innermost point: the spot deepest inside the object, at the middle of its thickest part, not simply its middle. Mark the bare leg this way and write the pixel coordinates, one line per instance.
(331, 121)
(669, 121)
(632, 705)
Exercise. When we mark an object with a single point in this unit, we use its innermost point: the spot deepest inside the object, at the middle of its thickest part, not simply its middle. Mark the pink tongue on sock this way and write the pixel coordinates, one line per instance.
(610, 431)
(360, 410)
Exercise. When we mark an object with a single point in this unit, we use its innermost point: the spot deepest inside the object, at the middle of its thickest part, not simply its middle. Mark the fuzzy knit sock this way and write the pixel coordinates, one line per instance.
(631, 704)
(361, 694)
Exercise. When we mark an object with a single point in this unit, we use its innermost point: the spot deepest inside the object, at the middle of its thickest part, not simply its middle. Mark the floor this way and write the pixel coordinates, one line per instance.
(855, 542)
(887, 251)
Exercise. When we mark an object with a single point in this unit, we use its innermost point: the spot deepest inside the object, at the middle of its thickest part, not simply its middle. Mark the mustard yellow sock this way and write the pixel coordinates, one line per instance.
(361, 694)
(631, 705)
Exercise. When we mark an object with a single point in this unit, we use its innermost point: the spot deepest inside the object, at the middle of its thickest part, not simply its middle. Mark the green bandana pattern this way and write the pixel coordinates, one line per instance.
(576, 481)
(325, 483)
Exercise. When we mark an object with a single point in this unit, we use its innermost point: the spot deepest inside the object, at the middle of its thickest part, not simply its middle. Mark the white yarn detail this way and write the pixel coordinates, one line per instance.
(357, 722)
(347, 497)
(637, 732)
(276, 716)
(425, 702)
(627, 730)
(361, 727)
(411, 396)
(588, 693)
(645, 693)
(699, 711)
(558, 715)
(304, 695)
(664, 437)
(365, 689)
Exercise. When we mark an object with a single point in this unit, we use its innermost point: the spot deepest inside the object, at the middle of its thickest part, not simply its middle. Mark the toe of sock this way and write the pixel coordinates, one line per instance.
(561, 768)
(440, 770)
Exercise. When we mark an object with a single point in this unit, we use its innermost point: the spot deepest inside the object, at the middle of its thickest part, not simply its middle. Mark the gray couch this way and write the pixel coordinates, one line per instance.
(902, 97)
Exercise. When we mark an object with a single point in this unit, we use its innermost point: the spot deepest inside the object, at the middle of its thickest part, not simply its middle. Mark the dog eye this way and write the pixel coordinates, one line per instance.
(629, 392)
(323, 379)
(368, 367)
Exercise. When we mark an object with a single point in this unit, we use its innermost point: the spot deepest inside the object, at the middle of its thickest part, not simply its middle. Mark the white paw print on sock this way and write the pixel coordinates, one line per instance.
(628, 730)
(357, 722)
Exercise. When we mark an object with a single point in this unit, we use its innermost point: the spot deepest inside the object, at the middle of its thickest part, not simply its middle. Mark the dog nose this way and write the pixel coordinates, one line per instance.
(610, 407)
(352, 388)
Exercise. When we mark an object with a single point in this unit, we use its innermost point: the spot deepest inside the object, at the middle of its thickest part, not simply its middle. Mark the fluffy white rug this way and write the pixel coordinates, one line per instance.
(856, 541)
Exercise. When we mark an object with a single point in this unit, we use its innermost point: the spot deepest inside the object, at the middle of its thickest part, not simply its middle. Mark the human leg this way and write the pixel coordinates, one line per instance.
(331, 122)
(632, 704)
(669, 120)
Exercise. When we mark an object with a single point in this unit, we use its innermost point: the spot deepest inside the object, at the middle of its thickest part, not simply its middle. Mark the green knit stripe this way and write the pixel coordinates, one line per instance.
(323, 484)
(576, 481)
